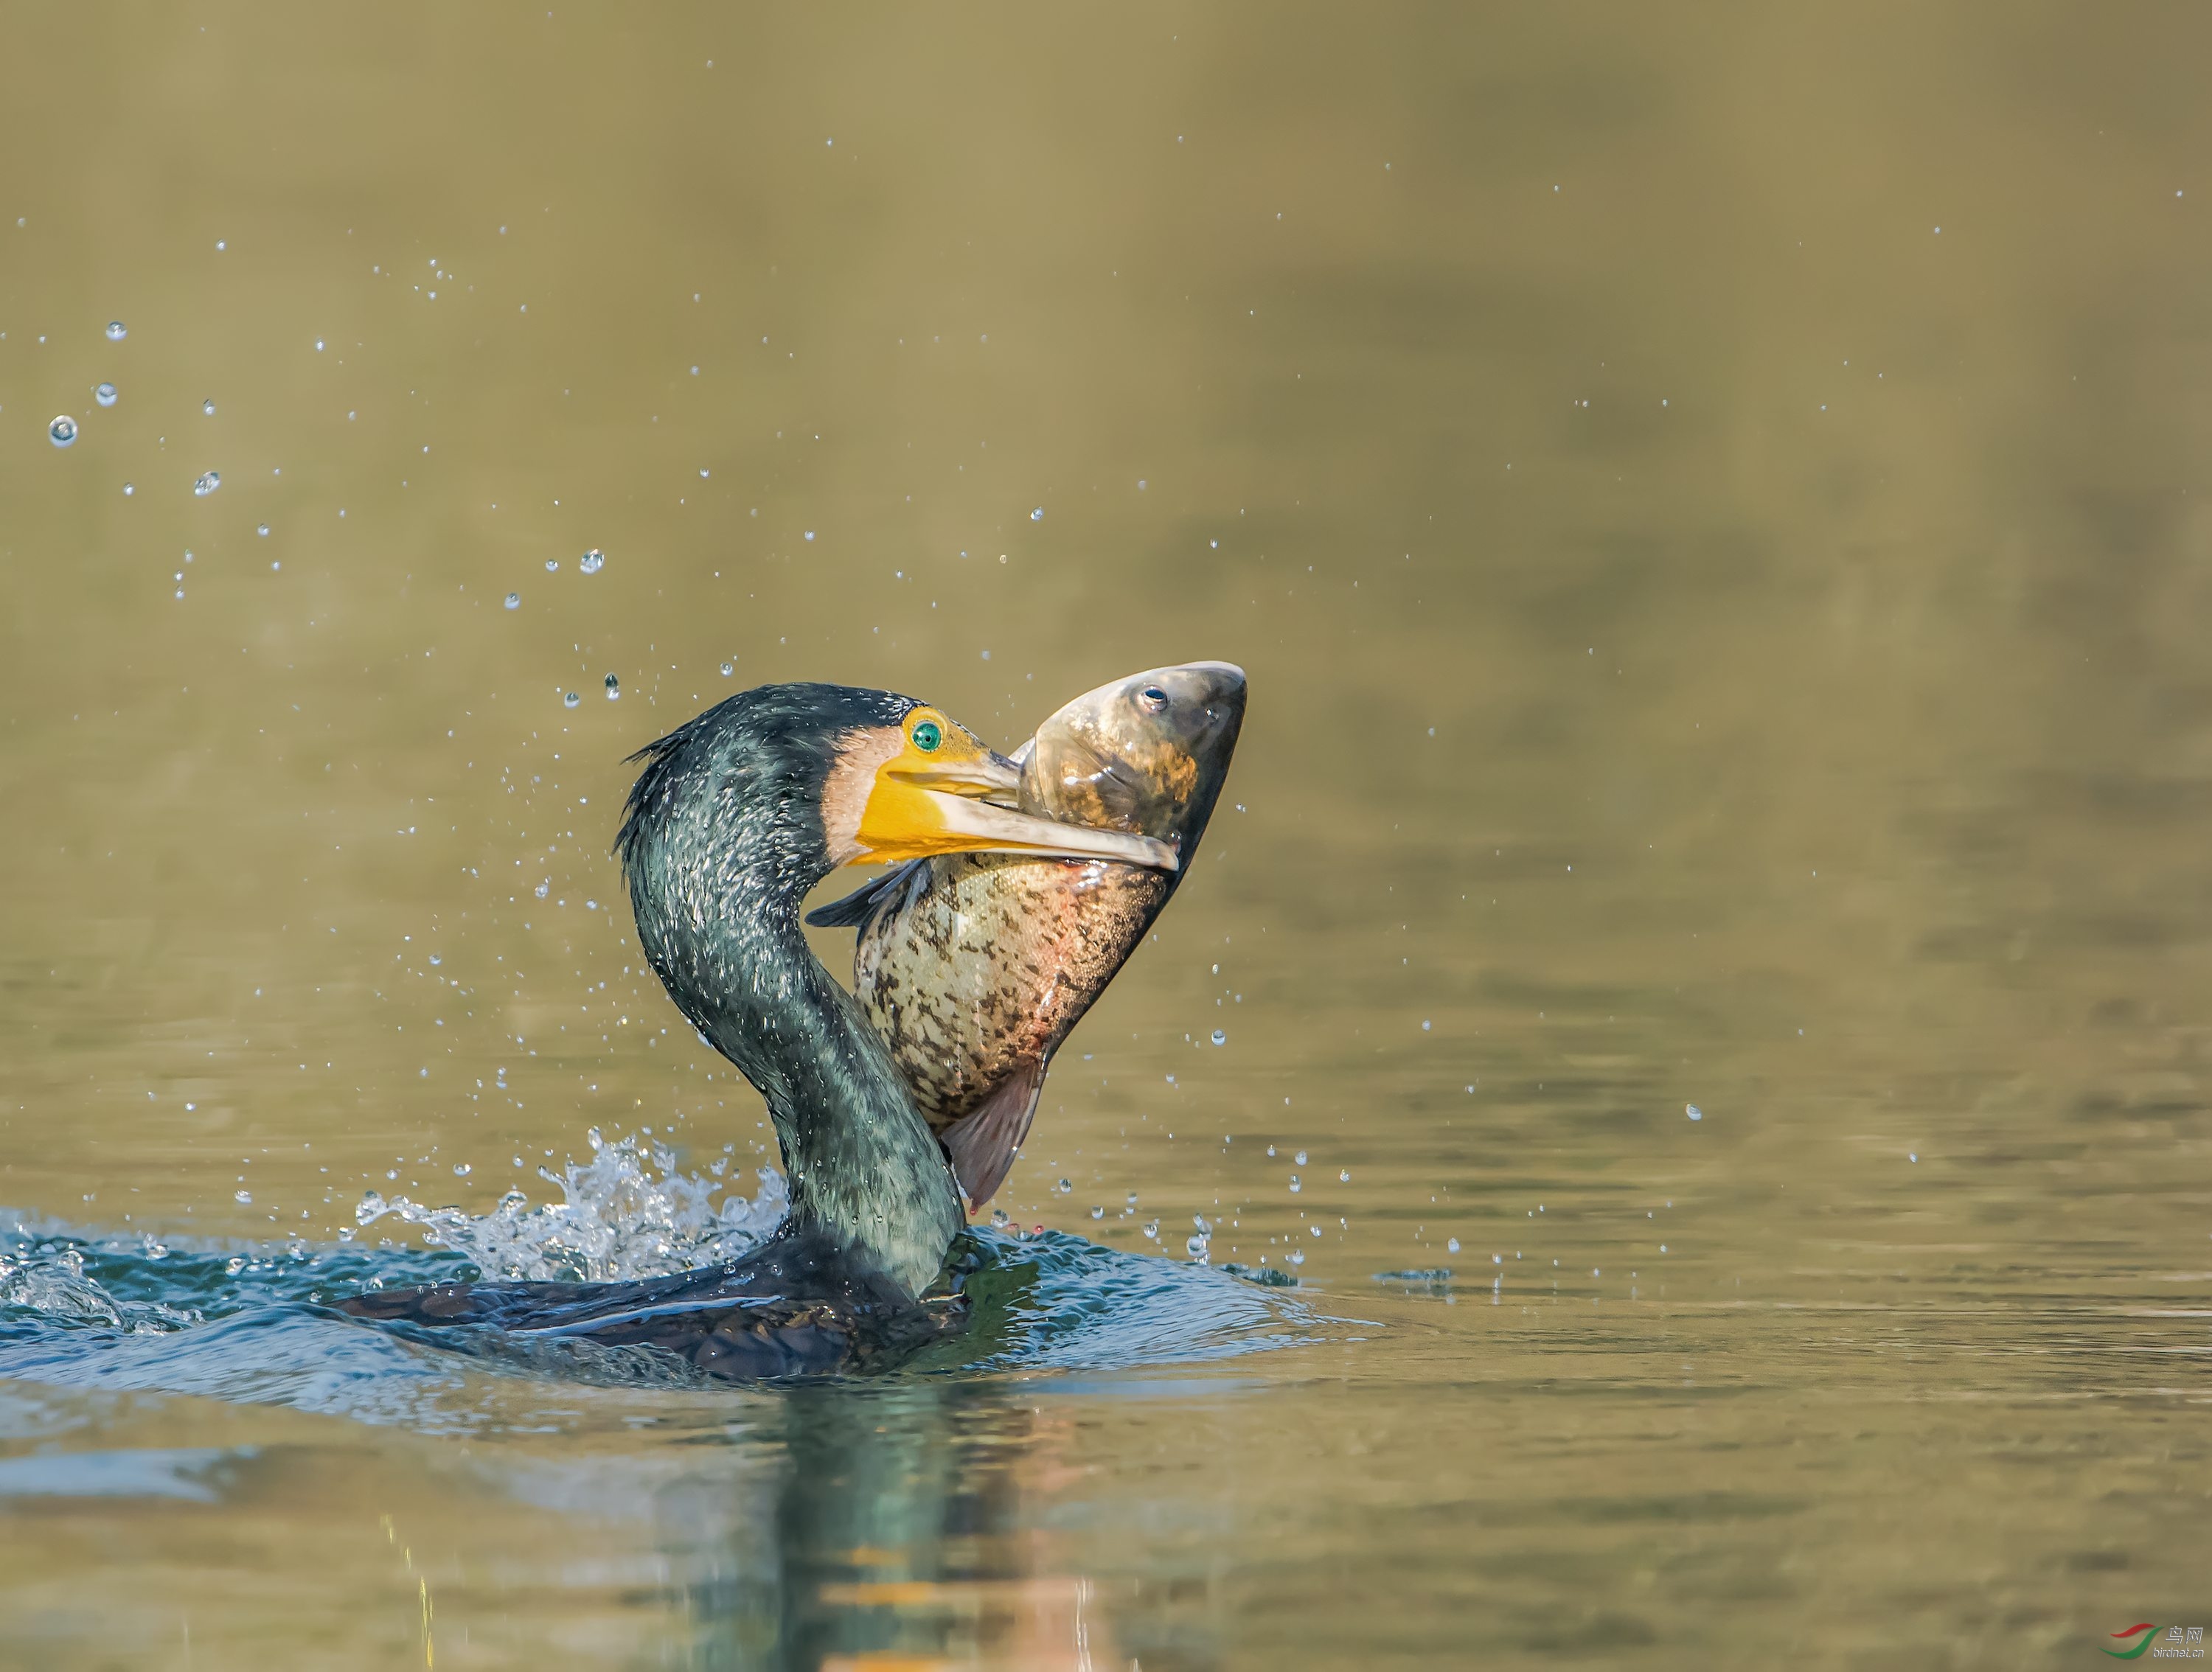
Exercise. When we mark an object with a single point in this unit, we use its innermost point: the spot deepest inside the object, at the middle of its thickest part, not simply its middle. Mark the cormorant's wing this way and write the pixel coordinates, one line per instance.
(854, 910)
(982, 1144)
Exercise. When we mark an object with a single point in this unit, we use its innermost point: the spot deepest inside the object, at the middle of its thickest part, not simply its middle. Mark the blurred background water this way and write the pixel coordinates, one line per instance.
(1703, 982)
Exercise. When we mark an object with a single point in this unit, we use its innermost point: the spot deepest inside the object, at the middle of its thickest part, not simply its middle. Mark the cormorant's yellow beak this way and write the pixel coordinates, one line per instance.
(930, 798)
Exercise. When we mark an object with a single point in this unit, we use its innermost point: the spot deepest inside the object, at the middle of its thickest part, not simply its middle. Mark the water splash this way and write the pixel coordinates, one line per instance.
(627, 1212)
(251, 1324)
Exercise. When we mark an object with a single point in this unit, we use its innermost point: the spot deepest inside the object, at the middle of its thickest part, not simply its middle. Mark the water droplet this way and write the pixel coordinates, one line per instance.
(1344, 1176)
(1152, 1231)
(61, 431)
(728, 668)
(614, 688)
(128, 490)
(318, 345)
(1066, 1186)
(591, 562)
(116, 331)
(810, 533)
(545, 889)
(999, 1218)
(245, 1197)
(1452, 1245)
(104, 394)
(461, 1169)
(1037, 515)
(552, 563)
(1219, 1037)
(208, 407)
(207, 484)
(514, 600)
(1300, 1158)
(570, 700)
(434, 958)
(1097, 1213)
(1297, 1258)
(262, 529)
(1295, 1186)
(1197, 1248)
(1694, 1111)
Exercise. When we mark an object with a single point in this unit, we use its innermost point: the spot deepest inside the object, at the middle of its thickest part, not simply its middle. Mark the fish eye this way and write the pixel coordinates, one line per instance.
(1153, 698)
(927, 736)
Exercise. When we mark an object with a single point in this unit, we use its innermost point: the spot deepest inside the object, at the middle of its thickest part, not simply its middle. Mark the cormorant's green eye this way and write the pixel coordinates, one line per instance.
(926, 737)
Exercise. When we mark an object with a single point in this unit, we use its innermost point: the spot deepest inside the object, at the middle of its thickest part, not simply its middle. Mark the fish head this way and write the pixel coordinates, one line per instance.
(1147, 754)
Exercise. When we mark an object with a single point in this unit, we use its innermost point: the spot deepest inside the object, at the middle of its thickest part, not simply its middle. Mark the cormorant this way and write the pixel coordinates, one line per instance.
(736, 816)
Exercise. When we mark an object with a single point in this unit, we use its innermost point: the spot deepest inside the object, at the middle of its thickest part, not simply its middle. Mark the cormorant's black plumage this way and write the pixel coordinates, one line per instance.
(721, 839)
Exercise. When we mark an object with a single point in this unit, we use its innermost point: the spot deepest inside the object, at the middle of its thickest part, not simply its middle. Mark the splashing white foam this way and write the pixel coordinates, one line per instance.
(52, 1280)
(56, 1285)
(617, 1219)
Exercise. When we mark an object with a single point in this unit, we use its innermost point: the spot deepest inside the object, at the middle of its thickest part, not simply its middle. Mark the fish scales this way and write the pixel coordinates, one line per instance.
(1055, 932)
(974, 967)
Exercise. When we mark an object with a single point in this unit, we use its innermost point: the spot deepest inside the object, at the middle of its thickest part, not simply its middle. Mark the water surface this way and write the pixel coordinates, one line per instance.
(1712, 505)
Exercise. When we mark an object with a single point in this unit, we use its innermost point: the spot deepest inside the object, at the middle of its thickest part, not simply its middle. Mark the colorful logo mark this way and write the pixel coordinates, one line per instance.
(2146, 1631)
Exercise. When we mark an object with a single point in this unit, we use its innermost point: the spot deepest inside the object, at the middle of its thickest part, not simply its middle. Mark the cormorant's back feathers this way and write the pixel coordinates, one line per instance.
(854, 909)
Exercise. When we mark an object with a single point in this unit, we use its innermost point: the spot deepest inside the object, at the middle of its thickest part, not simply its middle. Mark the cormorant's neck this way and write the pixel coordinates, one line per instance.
(722, 836)
(863, 1165)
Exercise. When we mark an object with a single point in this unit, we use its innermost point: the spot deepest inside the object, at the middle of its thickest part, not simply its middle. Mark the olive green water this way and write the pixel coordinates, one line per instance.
(1713, 505)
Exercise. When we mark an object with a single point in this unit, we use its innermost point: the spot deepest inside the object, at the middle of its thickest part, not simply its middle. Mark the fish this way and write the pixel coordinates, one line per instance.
(974, 968)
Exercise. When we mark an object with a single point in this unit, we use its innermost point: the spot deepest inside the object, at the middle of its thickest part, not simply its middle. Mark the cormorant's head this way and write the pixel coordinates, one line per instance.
(778, 786)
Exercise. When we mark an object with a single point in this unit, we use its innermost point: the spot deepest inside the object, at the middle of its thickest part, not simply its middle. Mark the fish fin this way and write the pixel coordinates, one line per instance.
(858, 907)
(982, 1144)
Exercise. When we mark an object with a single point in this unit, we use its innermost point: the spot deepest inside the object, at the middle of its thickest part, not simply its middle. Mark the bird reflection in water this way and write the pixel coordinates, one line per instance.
(906, 1529)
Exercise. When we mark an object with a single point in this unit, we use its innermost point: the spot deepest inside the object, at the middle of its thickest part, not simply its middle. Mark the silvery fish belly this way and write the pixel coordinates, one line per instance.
(974, 967)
